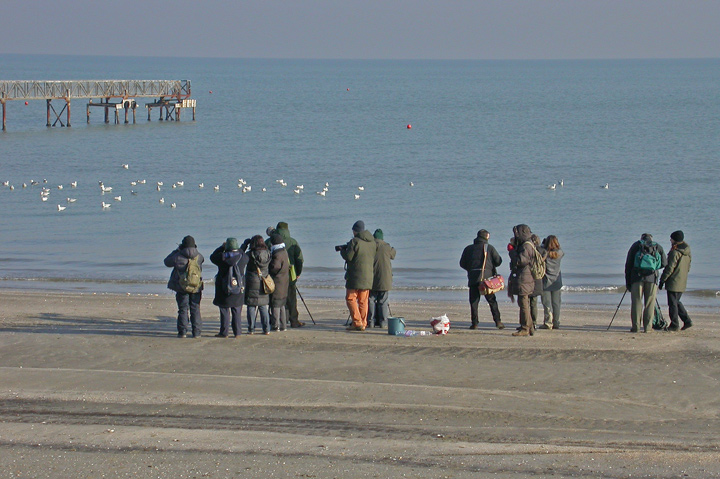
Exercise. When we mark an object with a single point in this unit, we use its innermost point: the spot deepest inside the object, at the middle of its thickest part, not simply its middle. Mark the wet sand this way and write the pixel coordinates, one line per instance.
(99, 386)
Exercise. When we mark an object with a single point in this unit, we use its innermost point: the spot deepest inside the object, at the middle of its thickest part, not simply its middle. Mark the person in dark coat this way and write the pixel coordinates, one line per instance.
(359, 256)
(178, 260)
(378, 309)
(538, 283)
(256, 299)
(279, 269)
(295, 257)
(473, 260)
(521, 282)
(674, 279)
(642, 287)
(226, 257)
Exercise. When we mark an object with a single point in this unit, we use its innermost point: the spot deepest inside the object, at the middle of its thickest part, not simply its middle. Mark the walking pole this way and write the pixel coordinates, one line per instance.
(616, 311)
(348, 320)
(306, 306)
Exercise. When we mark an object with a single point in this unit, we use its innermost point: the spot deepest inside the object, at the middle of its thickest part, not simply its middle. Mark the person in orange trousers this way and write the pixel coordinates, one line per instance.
(359, 256)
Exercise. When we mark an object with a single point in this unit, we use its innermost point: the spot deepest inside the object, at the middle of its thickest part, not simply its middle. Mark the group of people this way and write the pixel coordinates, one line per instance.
(259, 273)
(535, 272)
(245, 270)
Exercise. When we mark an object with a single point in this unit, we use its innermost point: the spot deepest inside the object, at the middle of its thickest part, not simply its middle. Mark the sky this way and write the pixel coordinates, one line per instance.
(364, 29)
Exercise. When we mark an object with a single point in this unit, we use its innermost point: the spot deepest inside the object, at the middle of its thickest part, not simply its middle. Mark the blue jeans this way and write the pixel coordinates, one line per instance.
(230, 317)
(189, 302)
(252, 312)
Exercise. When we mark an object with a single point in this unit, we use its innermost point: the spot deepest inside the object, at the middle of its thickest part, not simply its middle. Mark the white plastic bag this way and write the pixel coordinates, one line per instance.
(440, 325)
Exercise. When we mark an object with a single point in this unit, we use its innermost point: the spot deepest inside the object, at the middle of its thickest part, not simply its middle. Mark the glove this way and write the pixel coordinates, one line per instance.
(661, 285)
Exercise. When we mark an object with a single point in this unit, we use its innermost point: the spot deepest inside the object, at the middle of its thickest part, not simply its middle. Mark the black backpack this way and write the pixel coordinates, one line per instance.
(235, 280)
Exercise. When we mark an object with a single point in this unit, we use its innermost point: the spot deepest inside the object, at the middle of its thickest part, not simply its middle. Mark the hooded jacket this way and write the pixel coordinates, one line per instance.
(359, 256)
(254, 292)
(279, 269)
(521, 282)
(472, 260)
(382, 267)
(178, 260)
(292, 247)
(225, 260)
(675, 274)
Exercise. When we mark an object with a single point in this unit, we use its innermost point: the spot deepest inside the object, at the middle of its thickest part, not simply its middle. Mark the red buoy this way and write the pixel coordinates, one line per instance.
(26, 103)
(409, 126)
(348, 89)
(211, 92)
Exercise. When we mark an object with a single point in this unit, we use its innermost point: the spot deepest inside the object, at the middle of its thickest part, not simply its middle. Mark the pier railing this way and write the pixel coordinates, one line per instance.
(55, 90)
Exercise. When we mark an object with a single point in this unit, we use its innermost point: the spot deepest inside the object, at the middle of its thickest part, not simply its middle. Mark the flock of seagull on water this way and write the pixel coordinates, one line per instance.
(561, 183)
(242, 184)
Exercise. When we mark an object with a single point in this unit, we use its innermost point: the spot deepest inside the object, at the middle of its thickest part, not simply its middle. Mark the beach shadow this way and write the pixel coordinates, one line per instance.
(53, 323)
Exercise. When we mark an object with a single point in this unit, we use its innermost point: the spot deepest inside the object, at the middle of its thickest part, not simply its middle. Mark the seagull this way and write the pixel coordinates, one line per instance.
(44, 180)
(327, 184)
(264, 190)
(60, 187)
(105, 189)
(300, 187)
(33, 182)
(181, 183)
(174, 185)
(105, 205)
(297, 192)
(412, 184)
(283, 184)
(162, 200)
(216, 187)
(562, 182)
(173, 205)
(160, 183)
(12, 187)
(157, 187)
(325, 189)
(24, 185)
(280, 181)
(60, 208)
(133, 183)
(247, 189)
(71, 200)
(142, 182)
(6, 183)
(118, 198)
(44, 198)
(133, 192)
(357, 197)
(551, 187)
(126, 166)
(361, 188)
(321, 193)
(606, 186)
(73, 184)
(201, 185)
(242, 182)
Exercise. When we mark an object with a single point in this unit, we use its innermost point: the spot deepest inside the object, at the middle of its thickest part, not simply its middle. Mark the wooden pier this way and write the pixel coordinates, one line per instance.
(171, 97)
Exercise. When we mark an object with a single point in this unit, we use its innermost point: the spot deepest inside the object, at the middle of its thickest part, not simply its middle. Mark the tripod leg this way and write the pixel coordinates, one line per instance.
(616, 311)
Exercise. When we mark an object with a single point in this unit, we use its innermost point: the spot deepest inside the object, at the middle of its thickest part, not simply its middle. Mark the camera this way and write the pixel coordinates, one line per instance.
(340, 247)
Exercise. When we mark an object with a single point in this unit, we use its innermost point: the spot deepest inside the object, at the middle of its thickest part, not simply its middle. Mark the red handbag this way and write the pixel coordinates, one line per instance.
(493, 284)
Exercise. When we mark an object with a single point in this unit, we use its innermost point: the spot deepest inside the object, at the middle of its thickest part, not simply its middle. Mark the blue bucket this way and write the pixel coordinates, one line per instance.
(396, 326)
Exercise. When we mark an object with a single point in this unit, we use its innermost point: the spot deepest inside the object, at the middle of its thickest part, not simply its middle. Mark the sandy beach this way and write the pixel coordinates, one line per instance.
(100, 386)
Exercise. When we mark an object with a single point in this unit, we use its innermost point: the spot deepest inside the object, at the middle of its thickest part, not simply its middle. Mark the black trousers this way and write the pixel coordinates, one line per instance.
(475, 301)
(677, 309)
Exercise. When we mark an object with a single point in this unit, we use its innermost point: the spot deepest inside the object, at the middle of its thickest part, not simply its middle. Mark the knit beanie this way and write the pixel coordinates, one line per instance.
(276, 239)
(484, 234)
(677, 236)
(188, 242)
(378, 234)
(282, 225)
(358, 226)
(231, 244)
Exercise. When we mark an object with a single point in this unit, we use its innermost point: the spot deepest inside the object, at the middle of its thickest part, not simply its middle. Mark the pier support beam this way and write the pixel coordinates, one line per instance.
(4, 118)
(48, 113)
(67, 105)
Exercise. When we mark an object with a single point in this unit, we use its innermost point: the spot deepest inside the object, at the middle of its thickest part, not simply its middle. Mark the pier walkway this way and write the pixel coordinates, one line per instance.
(171, 96)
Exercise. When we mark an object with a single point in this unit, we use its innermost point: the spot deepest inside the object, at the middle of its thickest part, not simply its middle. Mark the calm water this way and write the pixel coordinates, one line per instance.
(486, 140)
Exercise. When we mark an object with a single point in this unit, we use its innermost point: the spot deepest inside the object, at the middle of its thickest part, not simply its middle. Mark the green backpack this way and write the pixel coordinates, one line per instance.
(537, 265)
(191, 279)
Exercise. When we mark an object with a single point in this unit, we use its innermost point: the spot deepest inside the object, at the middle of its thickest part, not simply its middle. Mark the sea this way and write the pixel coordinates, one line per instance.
(428, 151)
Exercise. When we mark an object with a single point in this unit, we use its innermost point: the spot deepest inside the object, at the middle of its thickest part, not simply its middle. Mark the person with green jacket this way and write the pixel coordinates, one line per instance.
(296, 265)
(359, 256)
(674, 279)
(379, 310)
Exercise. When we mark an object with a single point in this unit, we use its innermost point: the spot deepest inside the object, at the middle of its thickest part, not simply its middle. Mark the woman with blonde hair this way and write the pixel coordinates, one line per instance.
(552, 283)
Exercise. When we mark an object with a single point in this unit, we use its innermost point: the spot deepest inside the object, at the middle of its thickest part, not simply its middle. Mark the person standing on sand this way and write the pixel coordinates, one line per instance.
(295, 257)
(178, 261)
(231, 260)
(674, 279)
(552, 283)
(379, 310)
(359, 256)
(279, 269)
(521, 282)
(481, 260)
(644, 259)
(256, 300)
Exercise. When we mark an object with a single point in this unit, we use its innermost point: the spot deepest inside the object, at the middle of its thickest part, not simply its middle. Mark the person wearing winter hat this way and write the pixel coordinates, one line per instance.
(231, 261)
(644, 259)
(279, 269)
(379, 310)
(359, 256)
(295, 257)
(186, 300)
(674, 279)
